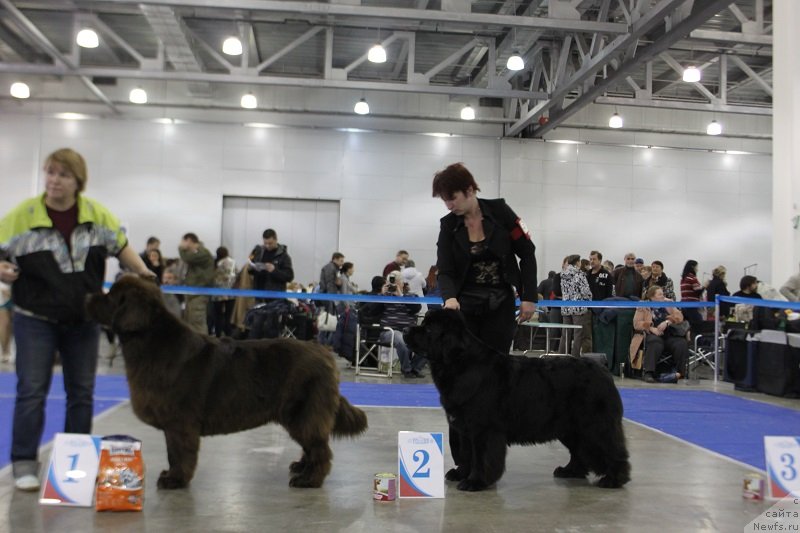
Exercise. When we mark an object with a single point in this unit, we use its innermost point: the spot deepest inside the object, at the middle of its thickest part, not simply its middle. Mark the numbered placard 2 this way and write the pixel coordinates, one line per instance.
(783, 466)
(72, 472)
(420, 461)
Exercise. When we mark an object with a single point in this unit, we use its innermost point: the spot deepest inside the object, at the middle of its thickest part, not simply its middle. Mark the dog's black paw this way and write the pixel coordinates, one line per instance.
(471, 485)
(565, 472)
(609, 482)
(297, 467)
(303, 482)
(456, 474)
(168, 482)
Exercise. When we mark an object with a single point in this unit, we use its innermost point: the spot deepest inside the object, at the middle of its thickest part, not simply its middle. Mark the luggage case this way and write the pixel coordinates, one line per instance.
(741, 351)
(776, 373)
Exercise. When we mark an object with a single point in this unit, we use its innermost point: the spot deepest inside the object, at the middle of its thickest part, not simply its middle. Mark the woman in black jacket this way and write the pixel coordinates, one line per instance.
(479, 243)
(718, 286)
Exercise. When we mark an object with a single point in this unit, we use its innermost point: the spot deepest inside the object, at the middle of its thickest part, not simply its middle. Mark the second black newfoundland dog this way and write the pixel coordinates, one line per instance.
(493, 400)
(190, 385)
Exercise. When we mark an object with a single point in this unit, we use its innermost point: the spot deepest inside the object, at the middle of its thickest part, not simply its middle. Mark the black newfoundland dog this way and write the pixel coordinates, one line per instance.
(493, 400)
(191, 385)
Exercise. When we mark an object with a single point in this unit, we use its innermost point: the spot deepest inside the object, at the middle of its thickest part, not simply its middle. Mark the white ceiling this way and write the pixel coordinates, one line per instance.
(309, 57)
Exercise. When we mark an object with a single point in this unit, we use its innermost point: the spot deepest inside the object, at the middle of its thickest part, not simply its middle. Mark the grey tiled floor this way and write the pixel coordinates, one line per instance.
(242, 485)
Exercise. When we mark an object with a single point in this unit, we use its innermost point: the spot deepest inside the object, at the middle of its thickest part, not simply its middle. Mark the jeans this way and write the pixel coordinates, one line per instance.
(407, 364)
(37, 344)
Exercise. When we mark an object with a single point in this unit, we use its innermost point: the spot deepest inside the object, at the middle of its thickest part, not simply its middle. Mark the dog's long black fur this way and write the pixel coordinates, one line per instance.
(190, 385)
(493, 400)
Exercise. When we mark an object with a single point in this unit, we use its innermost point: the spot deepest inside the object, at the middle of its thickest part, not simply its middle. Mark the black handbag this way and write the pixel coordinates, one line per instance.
(680, 329)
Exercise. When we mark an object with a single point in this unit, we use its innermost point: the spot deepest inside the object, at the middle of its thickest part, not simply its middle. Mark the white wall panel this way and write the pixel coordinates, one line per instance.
(166, 180)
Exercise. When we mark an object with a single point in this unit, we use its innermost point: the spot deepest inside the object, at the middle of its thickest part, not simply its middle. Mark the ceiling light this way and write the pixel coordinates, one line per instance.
(515, 62)
(232, 46)
(20, 90)
(87, 38)
(714, 128)
(691, 75)
(249, 101)
(72, 116)
(615, 121)
(361, 107)
(467, 113)
(262, 125)
(377, 54)
(138, 96)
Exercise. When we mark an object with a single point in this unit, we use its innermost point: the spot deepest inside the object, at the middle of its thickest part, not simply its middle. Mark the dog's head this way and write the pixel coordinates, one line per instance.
(131, 305)
(442, 336)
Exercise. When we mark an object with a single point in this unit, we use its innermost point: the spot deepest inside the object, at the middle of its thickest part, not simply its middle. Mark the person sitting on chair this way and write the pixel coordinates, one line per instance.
(398, 316)
(652, 326)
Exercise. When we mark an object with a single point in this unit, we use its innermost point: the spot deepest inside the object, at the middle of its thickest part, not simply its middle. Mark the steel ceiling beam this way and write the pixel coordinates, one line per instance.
(732, 37)
(702, 11)
(392, 13)
(212, 77)
(40, 38)
(715, 106)
(641, 27)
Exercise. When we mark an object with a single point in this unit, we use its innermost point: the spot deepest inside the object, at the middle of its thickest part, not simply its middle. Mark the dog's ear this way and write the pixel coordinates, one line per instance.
(98, 308)
(131, 310)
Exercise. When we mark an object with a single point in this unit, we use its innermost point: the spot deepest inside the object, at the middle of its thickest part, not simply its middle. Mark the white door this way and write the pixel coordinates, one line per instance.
(308, 228)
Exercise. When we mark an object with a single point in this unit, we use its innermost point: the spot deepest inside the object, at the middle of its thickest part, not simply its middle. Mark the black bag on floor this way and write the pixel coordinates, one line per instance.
(599, 358)
(264, 320)
(740, 360)
(776, 371)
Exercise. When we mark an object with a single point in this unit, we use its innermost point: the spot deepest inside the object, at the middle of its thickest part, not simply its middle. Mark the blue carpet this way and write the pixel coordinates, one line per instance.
(731, 426)
(109, 391)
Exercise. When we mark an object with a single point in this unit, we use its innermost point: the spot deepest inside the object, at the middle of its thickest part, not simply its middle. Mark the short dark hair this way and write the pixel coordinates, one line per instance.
(452, 179)
(401, 252)
(222, 253)
(153, 240)
(269, 234)
(659, 263)
(573, 259)
(336, 255)
(346, 266)
(377, 283)
(598, 254)
(746, 281)
(192, 237)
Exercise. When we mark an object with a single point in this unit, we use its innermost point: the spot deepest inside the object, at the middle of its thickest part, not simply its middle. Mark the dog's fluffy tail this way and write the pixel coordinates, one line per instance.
(350, 421)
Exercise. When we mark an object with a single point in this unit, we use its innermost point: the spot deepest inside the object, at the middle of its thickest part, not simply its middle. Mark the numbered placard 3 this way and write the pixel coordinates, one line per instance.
(783, 466)
(72, 471)
(420, 461)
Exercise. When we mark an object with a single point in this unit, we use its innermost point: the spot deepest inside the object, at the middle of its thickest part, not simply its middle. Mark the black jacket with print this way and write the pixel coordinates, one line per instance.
(506, 237)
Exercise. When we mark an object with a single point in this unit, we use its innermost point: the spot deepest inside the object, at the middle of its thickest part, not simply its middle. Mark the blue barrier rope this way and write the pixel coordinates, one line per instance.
(251, 293)
(776, 304)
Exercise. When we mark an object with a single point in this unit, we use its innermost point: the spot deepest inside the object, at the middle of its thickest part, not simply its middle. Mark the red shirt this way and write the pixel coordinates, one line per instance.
(65, 221)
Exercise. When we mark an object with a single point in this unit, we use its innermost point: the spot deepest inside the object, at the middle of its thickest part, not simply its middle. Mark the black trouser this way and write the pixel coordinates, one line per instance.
(656, 345)
(222, 312)
(496, 329)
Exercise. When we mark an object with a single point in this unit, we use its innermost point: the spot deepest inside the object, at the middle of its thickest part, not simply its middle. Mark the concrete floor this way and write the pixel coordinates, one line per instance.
(241, 485)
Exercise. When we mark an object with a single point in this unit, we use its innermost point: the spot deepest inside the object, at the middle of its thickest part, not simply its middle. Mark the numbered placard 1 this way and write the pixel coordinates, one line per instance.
(783, 466)
(72, 472)
(420, 461)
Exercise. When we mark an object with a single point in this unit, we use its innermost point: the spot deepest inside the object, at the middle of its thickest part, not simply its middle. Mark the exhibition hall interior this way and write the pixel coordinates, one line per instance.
(354, 149)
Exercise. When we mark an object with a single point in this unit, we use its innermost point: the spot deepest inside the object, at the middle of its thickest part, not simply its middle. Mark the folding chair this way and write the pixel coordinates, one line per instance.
(702, 349)
(368, 348)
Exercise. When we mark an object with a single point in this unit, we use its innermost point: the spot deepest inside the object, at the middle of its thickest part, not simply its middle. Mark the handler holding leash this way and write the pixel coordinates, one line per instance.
(479, 242)
(58, 243)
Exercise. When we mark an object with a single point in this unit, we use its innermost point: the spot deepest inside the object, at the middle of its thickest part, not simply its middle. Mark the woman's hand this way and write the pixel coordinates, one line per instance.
(526, 311)
(9, 272)
(656, 331)
(452, 303)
